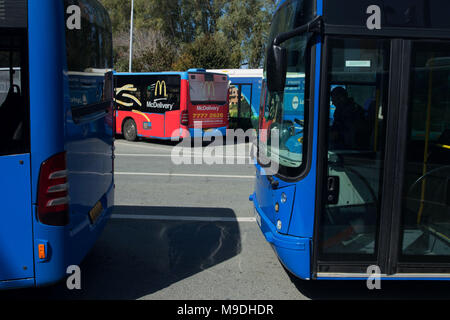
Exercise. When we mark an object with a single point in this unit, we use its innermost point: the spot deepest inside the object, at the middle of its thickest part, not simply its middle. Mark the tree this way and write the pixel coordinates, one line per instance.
(119, 12)
(231, 32)
(152, 51)
(246, 24)
(209, 52)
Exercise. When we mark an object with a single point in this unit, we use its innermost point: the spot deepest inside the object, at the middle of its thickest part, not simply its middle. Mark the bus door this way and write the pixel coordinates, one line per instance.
(384, 191)
(241, 105)
(16, 243)
(168, 96)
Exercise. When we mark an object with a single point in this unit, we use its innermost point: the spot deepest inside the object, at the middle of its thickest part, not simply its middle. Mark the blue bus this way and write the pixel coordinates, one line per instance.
(363, 160)
(245, 97)
(56, 136)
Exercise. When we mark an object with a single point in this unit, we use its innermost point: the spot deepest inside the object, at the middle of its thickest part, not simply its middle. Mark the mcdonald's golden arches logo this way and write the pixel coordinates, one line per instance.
(161, 87)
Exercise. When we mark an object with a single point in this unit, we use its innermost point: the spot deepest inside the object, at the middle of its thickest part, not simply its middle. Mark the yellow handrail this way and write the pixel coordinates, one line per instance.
(377, 112)
(427, 144)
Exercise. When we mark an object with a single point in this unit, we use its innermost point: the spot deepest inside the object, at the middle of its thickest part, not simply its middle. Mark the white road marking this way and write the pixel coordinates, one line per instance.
(141, 146)
(189, 155)
(180, 218)
(183, 175)
(170, 147)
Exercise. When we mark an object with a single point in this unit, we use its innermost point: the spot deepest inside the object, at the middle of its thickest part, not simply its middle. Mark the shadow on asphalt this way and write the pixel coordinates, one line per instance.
(357, 290)
(135, 258)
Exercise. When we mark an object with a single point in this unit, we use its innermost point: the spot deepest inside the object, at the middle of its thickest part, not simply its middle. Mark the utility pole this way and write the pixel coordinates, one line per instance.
(131, 36)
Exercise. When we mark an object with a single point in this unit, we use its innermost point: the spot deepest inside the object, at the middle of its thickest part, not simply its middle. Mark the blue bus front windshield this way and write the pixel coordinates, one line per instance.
(282, 117)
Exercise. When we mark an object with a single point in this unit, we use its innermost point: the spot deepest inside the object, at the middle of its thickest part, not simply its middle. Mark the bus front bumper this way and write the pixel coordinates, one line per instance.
(293, 252)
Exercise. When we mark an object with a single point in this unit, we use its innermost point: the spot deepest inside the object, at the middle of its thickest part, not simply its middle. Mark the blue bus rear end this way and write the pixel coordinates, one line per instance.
(245, 97)
(56, 150)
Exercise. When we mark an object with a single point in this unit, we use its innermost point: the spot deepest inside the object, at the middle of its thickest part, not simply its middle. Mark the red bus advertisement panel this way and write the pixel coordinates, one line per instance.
(209, 101)
(148, 105)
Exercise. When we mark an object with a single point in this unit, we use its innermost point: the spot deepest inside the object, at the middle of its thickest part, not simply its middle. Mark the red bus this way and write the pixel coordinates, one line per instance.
(168, 105)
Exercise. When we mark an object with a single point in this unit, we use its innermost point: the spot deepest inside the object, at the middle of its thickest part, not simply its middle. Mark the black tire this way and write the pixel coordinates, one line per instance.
(130, 130)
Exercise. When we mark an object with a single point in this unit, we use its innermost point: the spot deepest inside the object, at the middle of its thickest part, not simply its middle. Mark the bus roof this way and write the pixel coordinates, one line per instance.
(182, 74)
(148, 73)
(243, 73)
(399, 18)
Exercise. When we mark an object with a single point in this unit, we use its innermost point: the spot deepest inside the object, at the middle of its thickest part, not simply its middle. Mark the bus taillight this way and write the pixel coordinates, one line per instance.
(53, 193)
(185, 118)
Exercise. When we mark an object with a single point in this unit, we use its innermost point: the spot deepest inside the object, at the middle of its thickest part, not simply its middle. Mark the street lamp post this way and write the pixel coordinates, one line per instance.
(131, 36)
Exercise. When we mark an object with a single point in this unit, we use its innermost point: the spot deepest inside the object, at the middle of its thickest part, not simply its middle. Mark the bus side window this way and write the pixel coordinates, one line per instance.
(14, 123)
(351, 123)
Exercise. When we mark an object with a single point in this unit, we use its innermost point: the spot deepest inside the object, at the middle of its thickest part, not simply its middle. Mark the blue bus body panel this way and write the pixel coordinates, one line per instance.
(88, 144)
(16, 239)
(17, 284)
(89, 148)
(302, 222)
(293, 252)
(297, 214)
(183, 75)
(319, 7)
(46, 63)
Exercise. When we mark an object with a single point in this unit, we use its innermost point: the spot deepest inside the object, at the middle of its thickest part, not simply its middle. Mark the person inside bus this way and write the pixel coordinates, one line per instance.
(349, 126)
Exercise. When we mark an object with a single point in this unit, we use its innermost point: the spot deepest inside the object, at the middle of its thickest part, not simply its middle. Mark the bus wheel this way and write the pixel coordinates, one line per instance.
(130, 130)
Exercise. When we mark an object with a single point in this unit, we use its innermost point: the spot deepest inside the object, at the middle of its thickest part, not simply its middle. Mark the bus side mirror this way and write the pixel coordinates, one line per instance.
(276, 68)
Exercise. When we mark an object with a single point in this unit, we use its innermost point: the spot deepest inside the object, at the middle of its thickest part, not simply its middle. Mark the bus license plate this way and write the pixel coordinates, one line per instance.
(95, 213)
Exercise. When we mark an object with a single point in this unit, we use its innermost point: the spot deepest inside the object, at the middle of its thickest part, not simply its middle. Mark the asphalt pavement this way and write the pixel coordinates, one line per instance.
(187, 232)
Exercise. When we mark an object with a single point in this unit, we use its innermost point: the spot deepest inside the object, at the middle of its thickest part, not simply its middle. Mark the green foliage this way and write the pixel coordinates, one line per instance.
(160, 59)
(192, 33)
(246, 24)
(119, 12)
(207, 51)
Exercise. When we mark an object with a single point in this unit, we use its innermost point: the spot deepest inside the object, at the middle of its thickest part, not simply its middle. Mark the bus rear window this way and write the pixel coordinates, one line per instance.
(208, 89)
(14, 111)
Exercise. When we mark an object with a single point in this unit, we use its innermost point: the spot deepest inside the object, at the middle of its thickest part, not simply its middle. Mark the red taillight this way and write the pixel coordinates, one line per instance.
(53, 192)
(185, 118)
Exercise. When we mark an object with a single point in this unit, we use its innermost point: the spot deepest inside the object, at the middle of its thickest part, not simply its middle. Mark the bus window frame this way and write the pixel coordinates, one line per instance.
(411, 263)
(311, 63)
(206, 74)
(22, 50)
(239, 86)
